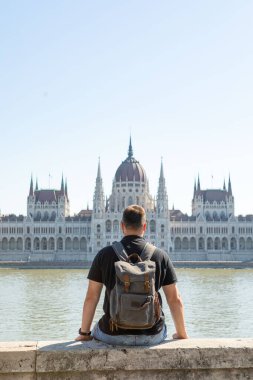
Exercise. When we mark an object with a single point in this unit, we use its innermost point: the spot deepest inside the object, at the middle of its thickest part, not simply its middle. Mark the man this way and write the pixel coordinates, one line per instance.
(102, 272)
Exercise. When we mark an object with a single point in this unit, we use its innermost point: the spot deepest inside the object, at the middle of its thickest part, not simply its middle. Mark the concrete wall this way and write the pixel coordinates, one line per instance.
(37, 256)
(193, 359)
(211, 256)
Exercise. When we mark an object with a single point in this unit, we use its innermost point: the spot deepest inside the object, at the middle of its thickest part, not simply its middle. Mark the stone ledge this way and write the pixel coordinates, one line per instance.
(188, 359)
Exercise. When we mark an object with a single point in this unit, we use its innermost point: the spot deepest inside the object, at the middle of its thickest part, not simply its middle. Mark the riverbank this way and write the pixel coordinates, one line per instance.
(86, 265)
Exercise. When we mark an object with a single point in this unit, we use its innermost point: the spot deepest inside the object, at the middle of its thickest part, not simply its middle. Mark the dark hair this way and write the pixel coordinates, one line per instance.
(134, 217)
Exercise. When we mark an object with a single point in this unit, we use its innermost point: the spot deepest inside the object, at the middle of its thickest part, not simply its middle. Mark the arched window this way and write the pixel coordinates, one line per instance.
(193, 244)
(76, 245)
(36, 244)
(130, 201)
(185, 243)
(20, 244)
(60, 244)
(201, 244)
(115, 226)
(28, 244)
(249, 243)
(68, 244)
(12, 244)
(242, 244)
(162, 228)
(217, 244)
(177, 244)
(44, 244)
(83, 244)
(108, 226)
(224, 243)
(152, 226)
(209, 243)
(233, 244)
(98, 228)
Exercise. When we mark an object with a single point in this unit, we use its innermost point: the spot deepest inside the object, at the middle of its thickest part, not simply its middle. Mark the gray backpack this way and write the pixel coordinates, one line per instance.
(134, 303)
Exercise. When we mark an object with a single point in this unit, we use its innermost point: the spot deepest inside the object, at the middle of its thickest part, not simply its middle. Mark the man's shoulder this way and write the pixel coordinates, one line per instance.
(105, 252)
(160, 254)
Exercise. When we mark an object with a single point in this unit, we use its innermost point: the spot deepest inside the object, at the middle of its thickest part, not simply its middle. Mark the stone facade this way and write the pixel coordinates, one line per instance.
(48, 227)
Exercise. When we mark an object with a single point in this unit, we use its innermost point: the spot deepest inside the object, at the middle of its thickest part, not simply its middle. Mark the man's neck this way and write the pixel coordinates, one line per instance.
(133, 233)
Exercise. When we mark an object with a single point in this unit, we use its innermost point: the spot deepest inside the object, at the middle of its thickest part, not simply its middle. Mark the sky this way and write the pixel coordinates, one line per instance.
(78, 77)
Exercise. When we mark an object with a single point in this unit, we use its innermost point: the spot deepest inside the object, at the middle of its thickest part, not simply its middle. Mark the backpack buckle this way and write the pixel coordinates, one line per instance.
(126, 283)
(147, 286)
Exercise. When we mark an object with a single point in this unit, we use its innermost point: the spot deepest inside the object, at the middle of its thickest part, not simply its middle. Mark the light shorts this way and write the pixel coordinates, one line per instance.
(129, 340)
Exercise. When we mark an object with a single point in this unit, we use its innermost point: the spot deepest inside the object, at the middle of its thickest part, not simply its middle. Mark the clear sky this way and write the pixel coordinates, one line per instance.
(77, 76)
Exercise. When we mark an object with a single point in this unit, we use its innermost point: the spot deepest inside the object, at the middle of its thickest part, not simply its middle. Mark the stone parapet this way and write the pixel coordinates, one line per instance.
(178, 359)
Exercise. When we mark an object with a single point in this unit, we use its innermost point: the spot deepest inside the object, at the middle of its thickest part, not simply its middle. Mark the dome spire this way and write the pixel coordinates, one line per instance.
(130, 149)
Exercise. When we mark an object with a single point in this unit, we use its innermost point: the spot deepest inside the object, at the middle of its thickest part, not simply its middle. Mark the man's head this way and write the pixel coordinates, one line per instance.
(134, 221)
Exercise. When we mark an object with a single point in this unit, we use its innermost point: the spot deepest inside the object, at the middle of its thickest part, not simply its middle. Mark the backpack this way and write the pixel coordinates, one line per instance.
(134, 303)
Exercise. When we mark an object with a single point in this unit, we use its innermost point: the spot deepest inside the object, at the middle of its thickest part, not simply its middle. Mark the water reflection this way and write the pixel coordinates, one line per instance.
(47, 304)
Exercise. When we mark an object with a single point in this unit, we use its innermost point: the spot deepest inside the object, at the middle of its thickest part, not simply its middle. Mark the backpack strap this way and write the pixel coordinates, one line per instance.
(147, 252)
(120, 251)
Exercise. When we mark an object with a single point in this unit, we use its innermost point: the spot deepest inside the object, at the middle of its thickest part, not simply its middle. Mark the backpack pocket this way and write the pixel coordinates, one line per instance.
(136, 311)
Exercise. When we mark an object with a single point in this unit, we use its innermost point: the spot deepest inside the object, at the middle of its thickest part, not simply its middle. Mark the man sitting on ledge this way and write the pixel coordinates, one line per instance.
(102, 272)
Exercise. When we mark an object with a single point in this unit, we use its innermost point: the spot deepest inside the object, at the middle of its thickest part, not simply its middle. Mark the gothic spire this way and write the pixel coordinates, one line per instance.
(194, 190)
(66, 188)
(224, 185)
(36, 186)
(130, 149)
(31, 187)
(62, 185)
(162, 197)
(161, 170)
(229, 186)
(98, 198)
(198, 186)
(99, 170)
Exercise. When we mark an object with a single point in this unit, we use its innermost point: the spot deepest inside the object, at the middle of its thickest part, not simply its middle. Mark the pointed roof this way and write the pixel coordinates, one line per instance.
(224, 185)
(36, 186)
(99, 169)
(198, 186)
(161, 170)
(194, 189)
(229, 186)
(31, 193)
(66, 188)
(62, 184)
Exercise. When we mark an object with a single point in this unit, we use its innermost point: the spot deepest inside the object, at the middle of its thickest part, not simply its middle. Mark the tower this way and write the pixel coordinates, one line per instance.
(163, 239)
(162, 197)
(98, 215)
(98, 198)
(30, 200)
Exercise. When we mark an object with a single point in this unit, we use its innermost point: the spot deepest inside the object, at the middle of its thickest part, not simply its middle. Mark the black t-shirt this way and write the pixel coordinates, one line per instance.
(102, 270)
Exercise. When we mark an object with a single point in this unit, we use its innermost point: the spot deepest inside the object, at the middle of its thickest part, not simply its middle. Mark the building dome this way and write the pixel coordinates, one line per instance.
(130, 169)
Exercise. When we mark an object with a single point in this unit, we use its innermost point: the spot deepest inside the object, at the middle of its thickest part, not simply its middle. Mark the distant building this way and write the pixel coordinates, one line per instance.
(49, 228)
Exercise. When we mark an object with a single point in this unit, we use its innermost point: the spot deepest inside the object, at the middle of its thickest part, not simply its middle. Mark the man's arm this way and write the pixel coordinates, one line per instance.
(89, 307)
(177, 310)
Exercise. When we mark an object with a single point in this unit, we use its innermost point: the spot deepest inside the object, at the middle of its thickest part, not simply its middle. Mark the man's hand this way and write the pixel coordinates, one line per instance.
(176, 336)
(84, 338)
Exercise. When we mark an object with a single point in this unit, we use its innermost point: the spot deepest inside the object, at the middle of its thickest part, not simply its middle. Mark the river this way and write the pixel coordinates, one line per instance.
(47, 304)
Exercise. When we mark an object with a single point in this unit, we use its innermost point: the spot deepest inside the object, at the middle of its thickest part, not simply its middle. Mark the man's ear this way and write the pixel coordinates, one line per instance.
(122, 226)
(144, 227)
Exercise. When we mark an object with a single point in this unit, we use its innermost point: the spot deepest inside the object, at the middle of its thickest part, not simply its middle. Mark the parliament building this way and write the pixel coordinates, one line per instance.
(49, 229)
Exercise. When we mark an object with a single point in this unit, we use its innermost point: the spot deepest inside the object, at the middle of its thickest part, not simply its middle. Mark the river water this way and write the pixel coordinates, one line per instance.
(47, 304)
